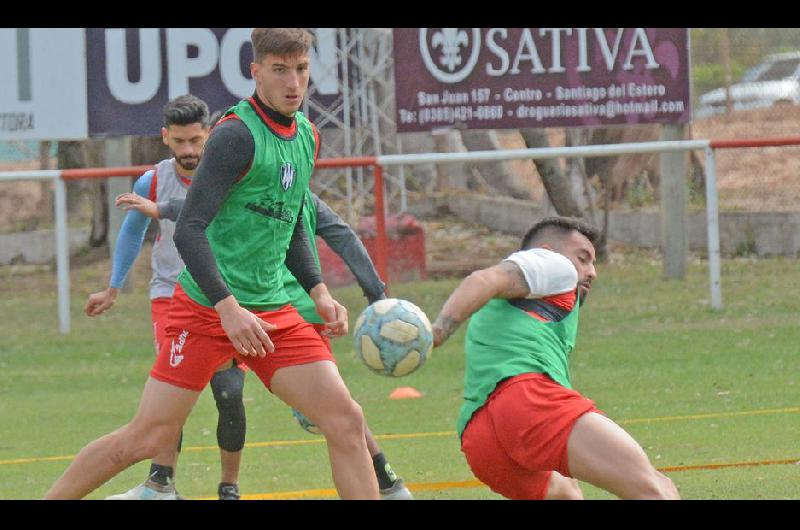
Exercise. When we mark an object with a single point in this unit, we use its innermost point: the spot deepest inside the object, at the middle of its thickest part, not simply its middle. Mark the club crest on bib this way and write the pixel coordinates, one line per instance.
(287, 175)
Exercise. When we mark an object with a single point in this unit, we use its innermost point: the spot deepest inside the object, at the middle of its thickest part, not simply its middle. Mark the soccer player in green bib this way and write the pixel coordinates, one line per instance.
(242, 221)
(319, 219)
(525, 432)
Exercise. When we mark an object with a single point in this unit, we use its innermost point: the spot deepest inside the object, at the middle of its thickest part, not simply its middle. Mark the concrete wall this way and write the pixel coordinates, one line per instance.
(38, 246)
(765, 234)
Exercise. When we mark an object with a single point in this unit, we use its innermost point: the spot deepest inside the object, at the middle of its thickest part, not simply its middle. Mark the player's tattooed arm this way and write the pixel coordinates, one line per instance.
(443, 327)
(514, 284)
(504, 280)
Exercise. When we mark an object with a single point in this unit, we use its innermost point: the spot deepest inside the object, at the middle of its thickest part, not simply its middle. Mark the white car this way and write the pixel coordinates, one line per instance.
(774, 81)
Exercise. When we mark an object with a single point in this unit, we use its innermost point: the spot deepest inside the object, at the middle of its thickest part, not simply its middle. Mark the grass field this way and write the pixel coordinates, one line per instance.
(713, 397)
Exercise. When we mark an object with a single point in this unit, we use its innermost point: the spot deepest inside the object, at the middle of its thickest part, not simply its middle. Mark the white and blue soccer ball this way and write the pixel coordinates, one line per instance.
(305, 423)
(393, 337)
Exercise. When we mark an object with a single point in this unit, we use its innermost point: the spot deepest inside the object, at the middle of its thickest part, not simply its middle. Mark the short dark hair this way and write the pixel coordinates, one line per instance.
(217, 115)
(280, 41)
(559, 226)
(185, 110)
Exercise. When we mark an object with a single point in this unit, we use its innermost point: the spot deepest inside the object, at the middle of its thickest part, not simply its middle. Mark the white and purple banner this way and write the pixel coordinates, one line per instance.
(509, 78)
(75, 83)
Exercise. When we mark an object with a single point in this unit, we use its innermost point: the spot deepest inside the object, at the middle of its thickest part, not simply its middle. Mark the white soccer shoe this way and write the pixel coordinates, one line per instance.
(148, 491)
(398, 492)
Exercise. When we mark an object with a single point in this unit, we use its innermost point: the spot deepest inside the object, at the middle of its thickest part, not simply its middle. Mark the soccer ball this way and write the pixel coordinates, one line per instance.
(305, 423)
(393, 337)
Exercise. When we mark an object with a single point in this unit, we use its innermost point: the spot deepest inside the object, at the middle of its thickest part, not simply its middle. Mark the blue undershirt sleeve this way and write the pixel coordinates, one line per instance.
(131, 235)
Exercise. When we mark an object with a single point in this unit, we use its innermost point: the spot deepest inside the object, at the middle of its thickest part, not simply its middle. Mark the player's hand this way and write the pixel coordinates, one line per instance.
(132, 201)
(246, 331)
(99, 303)
(332, 312)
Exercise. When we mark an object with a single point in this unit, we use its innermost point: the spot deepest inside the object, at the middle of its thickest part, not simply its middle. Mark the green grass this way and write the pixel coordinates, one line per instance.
(695, 387)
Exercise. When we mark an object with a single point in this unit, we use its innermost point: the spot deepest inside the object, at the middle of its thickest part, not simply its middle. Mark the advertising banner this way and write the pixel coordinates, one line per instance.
(134, 72)
(43, 88)
(510, 78)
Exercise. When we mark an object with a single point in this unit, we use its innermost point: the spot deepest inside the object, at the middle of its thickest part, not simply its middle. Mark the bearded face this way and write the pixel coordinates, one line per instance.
(186, 143)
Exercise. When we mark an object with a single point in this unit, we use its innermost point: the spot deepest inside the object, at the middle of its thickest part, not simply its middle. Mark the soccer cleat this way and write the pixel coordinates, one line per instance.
(397, 492)
(148, 491)
(228, 492)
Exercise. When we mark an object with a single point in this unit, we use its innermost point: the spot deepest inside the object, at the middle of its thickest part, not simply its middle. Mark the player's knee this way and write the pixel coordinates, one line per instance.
(227, 387)
(122, 451)
(345, 425)
(656, 485)
(134, 444)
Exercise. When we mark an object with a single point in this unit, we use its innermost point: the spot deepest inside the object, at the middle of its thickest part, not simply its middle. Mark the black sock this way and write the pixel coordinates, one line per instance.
(384, 472)
(161, 474)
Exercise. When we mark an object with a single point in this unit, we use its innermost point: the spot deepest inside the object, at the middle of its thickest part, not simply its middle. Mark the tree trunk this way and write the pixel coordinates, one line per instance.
(497, 173)
(46, 197)
(97, 236)
(570, 192)
(148, 150)
(602, 167)
(555, 182)
(72, 155)
(82, 154)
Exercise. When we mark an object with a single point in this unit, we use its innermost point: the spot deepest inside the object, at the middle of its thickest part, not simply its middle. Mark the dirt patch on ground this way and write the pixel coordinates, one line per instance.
(454, 248)
(750, 179)
(756, 179)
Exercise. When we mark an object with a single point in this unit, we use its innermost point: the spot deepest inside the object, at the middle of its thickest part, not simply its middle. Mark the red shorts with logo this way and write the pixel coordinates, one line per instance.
(195, 344)
(519, 436)
(159, 308)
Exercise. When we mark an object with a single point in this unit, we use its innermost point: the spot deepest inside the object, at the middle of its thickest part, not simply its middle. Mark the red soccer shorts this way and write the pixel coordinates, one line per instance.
(195, 344)
(159, 308)
(319, 328)
(519, 436)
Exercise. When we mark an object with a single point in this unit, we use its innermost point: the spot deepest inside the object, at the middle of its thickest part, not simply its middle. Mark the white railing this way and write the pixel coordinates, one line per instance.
(58, 177)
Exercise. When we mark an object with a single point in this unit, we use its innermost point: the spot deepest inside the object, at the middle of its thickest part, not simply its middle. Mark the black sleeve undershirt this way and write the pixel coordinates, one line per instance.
(227, 157)
(299, 259)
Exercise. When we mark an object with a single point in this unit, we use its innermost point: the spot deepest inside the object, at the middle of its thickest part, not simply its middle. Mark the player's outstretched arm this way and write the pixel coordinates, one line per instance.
(346, 244)
(143, 205)
(531, 273)
(126, 250)
(504, 280)
(169, 209)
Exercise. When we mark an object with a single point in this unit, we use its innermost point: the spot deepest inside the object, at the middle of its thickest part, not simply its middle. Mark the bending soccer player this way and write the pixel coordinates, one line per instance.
(319, 219)
(524, 431)
(242, 220)
(185, 132)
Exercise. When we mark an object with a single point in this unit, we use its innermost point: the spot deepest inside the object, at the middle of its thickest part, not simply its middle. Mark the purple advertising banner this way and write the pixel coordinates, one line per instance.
(512, 78)
(133, 72)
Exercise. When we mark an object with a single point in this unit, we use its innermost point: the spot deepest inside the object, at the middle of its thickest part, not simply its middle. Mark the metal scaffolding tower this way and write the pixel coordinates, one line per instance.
(357, 118)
